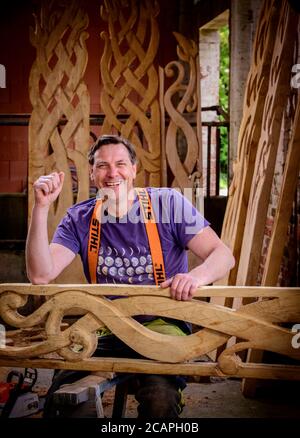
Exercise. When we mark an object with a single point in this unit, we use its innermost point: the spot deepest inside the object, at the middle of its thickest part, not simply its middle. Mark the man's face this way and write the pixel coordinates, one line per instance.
(112, 171)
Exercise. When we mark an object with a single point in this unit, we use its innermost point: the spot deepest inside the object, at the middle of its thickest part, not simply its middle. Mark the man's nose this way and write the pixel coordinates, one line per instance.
(112, 171)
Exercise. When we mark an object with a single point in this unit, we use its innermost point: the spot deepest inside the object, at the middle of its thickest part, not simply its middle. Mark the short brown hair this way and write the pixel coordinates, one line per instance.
(112, 139)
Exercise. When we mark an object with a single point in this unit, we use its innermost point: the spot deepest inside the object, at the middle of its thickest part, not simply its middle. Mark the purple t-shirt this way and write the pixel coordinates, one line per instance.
(124, 255)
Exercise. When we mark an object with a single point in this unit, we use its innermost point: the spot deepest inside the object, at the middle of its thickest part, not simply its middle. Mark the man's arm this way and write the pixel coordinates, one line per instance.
(44, 262)
(217, 261)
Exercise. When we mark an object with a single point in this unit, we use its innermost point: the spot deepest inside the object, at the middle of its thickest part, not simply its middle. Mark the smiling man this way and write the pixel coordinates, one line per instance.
(113, 171)
(125, 250)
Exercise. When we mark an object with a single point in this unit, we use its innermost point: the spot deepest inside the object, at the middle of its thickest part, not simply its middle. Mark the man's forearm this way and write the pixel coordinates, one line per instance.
(38, 257)
(216, 266)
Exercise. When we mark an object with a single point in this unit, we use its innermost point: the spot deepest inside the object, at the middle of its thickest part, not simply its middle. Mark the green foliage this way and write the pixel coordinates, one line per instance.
(224, 100)
(224, 67)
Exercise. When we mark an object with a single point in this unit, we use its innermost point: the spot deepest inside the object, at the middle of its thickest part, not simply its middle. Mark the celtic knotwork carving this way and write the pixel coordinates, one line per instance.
(253, 323)
(187, 95)
(59, 123)
(130, 80)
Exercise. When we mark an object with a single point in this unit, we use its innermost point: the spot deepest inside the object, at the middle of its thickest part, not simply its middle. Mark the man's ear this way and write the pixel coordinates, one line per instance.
(134, 170)
(91, 173)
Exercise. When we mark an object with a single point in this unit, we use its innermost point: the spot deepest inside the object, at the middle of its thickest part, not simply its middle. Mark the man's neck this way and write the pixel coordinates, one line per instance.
(120, 207)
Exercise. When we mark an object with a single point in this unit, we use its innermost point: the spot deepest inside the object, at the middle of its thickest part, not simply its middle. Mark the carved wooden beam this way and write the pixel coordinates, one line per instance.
(44, 335)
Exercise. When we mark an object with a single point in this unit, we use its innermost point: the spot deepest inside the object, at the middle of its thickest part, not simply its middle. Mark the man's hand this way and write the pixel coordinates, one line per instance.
(182, 286)
(47, 188)
(217, 260)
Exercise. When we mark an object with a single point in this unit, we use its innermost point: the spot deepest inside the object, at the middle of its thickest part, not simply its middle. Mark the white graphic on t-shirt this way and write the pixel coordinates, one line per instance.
(130, 271)
(113, 271)
(126, 262)
(109, 261)
(104, 270)
(143, 260)
(134, 261)
(139, 270)
(118, 262)
(149, 259)
(101, 260)
(133, 265)
(149, 269)
(121, 272)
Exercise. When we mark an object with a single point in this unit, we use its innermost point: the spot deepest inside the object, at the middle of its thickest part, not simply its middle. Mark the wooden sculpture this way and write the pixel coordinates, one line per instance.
(59, 123)
(186, 174)
(130, 81)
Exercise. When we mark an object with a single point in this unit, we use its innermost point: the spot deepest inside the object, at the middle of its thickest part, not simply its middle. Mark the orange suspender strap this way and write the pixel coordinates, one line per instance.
(94, 241)
(152, 233)
(153, 236)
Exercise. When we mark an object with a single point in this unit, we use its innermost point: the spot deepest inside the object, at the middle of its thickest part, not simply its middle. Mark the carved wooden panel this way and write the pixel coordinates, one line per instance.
(45, 335)
(58, 92)
(181, 99)
(275, 104)
(130, 80)
(250, 131)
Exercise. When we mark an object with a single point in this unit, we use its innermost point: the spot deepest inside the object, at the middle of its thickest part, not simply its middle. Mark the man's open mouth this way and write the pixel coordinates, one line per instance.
(113, 183)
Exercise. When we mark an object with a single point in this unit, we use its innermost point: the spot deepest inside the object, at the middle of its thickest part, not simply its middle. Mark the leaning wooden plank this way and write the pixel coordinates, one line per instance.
(249, 134)
(276, 101)
(284, 209)
(275, 104)
(280, 227)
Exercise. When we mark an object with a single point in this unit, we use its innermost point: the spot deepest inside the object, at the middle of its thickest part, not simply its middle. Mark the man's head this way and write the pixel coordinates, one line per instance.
(112, 139)
(113, 166)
